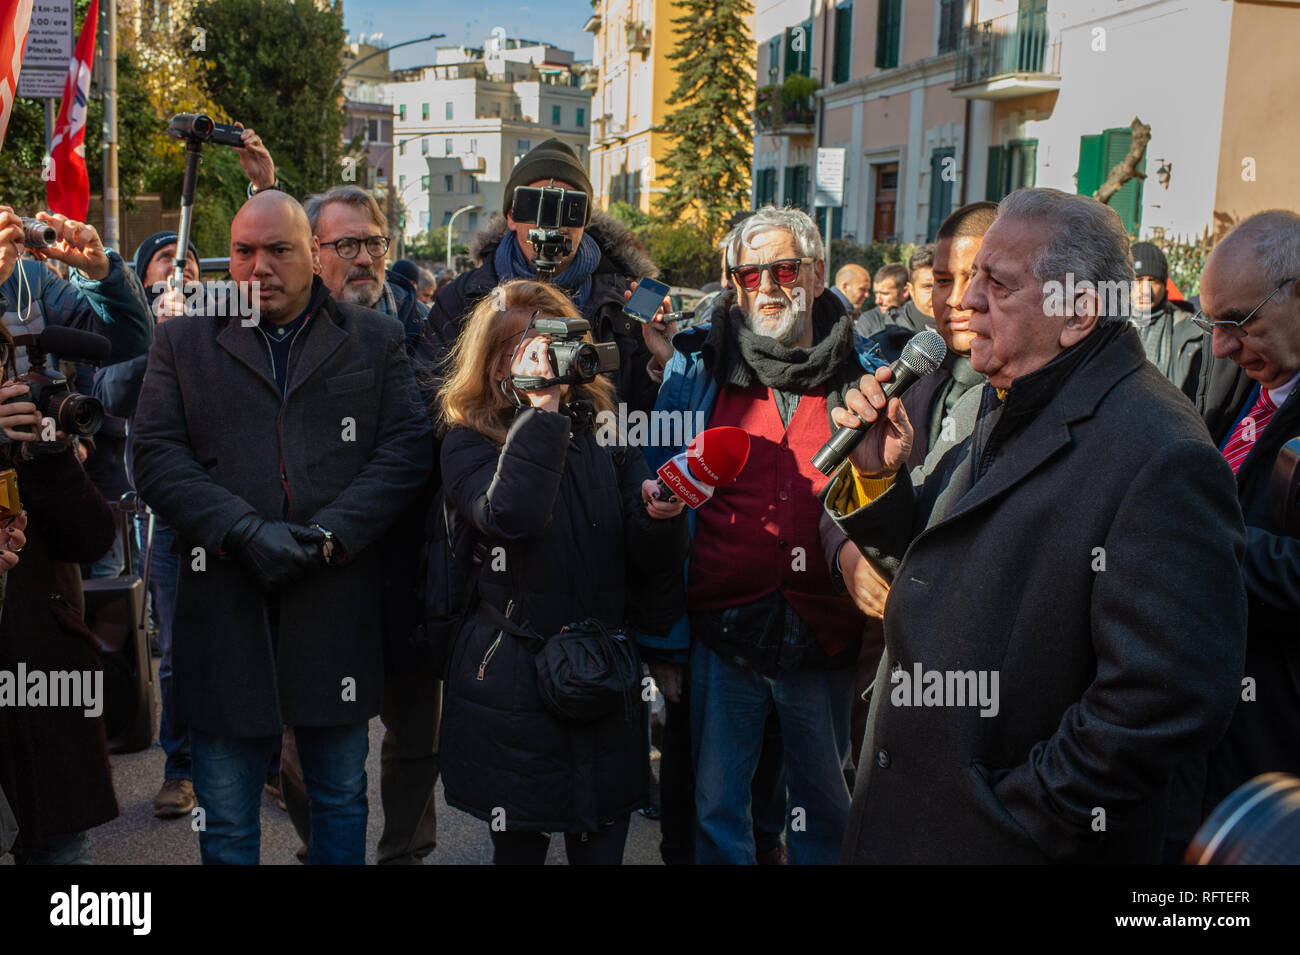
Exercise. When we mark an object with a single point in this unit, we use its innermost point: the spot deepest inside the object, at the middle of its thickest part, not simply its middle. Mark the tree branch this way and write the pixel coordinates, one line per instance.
(1127, 168)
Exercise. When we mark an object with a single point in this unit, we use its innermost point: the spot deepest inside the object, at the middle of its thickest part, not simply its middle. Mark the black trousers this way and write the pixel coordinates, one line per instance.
(604, 847)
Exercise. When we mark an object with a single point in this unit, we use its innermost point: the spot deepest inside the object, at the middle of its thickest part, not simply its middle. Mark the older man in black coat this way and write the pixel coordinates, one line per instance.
(1067, 619)
(1249, 397)
(280, 448)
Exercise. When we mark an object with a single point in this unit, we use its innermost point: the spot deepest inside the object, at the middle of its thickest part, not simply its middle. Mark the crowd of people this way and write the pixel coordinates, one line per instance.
(1045, 612)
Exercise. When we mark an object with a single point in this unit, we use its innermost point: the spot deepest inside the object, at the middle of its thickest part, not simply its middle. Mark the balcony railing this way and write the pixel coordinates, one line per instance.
(638, 37)
(589, 79)
(1017, 45)
(786, 110)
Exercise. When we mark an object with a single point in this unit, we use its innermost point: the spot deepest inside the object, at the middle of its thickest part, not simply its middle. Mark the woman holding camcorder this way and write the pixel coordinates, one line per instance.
(562, 551)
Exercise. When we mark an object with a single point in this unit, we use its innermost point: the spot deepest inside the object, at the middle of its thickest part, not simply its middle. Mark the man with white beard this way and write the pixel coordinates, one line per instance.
(769, 626)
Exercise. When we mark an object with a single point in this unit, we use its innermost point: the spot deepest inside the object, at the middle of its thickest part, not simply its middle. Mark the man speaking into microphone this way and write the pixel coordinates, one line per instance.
(1067, 618)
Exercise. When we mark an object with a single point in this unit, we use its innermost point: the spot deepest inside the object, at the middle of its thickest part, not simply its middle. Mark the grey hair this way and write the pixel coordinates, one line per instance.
(350, 195)
(427, 280)
(807, 240)
(1275, 240)
(1085, 238)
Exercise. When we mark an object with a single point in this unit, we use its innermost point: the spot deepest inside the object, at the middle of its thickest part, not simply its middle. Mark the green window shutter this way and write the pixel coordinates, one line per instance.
(1128, 201)
(940, 191)
(798, 61)
(843, 43)
(889, 28)
(1026, 175)
(1092, 157)
(993, 190)
(787, 184)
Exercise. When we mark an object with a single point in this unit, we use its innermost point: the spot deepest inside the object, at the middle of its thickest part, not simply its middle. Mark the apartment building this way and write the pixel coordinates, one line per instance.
(940, 102)
(466, 119)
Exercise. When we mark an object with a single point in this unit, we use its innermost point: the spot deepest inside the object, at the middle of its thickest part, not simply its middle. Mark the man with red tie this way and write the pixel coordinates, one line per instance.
(1248, 396)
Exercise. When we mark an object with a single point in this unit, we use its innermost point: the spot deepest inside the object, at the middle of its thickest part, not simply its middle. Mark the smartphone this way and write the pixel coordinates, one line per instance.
(646, 300)
(10, 506)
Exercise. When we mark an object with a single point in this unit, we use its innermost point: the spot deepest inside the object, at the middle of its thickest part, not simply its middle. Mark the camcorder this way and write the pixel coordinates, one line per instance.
(200, 128)
(574, 361)
(549, 209)
(38, 234)
(73, 414)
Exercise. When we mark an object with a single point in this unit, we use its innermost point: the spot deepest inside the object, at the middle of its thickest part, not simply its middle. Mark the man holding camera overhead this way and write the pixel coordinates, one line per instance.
(604, 258)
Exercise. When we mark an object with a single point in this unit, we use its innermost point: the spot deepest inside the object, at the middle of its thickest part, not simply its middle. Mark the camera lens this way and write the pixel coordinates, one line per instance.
(203, 125)
(76, 414)
(586, 363)
(38, 234)
(1259, 824)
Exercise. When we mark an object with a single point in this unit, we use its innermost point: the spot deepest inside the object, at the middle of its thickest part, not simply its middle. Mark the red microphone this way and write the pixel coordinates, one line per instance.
(712, 459)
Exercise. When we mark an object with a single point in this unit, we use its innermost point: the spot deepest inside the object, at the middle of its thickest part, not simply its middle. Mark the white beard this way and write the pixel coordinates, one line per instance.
(786, 326)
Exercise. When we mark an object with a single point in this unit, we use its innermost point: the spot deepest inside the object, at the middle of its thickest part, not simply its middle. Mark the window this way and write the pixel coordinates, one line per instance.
(372, 130)
(424, 183)
(555, 116)
(943, 167)
(765, 187)
(515, 111)
(796, 186)
(446, 218)
(1011, 167)
(473, 147)
(774, 60)
(446, 147)
(843, 43)
(449, 183)
(837, 221)
(1098, 155)
(473, 221)
(401, 112)
(424, 146)
(889, 28)
(424, 219)
(401, 148)
(798, 49)
(449, 111)
(950, 13)
(582, 117)
(424, 111)
(523, 146)
(473, 186)
(401, 182)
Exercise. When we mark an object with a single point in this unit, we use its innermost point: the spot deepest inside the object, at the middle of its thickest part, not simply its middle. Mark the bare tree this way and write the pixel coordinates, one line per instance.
(1127, 168)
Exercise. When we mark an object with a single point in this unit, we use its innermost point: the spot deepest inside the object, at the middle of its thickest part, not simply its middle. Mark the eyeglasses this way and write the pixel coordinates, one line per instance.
(785, 272)
(1210, 324)
(348, 246)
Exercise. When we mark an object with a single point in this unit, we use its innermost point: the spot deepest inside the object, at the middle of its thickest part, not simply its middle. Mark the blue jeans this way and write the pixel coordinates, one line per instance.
(729, 707)
(173, 734)
(229, 775)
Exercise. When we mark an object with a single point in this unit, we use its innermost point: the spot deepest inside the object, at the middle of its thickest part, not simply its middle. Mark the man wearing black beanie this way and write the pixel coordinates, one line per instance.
(1172, 343)
(606, 258)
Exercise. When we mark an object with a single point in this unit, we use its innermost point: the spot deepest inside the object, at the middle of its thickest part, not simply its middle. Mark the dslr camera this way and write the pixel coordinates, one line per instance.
(549, 209)
(72, 413)
(573, 360)
(200, 128)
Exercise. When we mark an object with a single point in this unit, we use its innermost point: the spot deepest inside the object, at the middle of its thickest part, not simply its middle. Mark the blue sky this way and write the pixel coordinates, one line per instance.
(553, 21)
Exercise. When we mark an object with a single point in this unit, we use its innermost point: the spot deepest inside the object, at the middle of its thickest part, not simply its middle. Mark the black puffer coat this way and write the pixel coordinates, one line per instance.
(574, 534)
(622, 259)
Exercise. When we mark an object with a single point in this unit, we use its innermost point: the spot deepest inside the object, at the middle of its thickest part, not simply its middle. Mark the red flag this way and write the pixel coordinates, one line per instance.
(14, 18)
(68, 188)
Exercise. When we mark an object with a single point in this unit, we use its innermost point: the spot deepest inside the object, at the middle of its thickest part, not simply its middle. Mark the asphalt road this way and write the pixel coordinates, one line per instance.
(135, 837)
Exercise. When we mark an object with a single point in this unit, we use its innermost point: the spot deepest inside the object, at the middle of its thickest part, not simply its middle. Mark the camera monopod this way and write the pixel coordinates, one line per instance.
(196, 129)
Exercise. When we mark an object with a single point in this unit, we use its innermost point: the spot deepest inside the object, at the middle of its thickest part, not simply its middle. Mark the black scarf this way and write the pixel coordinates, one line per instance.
(738, 357)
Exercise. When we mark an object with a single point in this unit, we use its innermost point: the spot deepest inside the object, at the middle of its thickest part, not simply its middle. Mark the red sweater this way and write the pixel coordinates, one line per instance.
(760, 533)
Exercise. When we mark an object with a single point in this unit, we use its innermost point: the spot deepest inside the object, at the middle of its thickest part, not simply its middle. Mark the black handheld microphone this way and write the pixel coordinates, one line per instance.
(921, 355)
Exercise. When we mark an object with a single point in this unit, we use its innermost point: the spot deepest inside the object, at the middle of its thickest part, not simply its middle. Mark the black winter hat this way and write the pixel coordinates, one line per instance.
(149, 248)
(1149, 261)
(552, 159)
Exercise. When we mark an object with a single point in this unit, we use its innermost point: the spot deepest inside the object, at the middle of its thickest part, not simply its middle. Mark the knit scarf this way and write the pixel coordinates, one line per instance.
(511, 263)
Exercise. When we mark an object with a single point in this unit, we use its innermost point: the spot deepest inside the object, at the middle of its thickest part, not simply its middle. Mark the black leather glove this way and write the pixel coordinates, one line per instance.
(276, 553)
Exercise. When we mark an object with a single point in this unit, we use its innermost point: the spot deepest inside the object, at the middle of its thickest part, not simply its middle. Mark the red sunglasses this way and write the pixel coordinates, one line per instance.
(785, 272)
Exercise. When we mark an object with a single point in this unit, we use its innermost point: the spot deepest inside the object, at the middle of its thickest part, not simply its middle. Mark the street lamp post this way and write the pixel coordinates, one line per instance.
(342, 76)
(450, 223)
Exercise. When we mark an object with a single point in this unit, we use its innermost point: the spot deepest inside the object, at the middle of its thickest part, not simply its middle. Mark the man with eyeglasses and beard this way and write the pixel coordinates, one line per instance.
(767, 628)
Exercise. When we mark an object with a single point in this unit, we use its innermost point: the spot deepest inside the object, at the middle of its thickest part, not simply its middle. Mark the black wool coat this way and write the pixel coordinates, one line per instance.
(348, 447)
(1110, 674)
(575, 539)
(622, 260)
(53, 760)
(1265, 731)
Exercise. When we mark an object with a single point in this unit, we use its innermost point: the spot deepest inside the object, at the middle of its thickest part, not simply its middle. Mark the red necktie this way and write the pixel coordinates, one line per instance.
(1248, 430)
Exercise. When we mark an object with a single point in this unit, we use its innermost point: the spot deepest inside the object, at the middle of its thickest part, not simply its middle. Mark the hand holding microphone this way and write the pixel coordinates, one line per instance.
(880, 450)
(883, 451)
